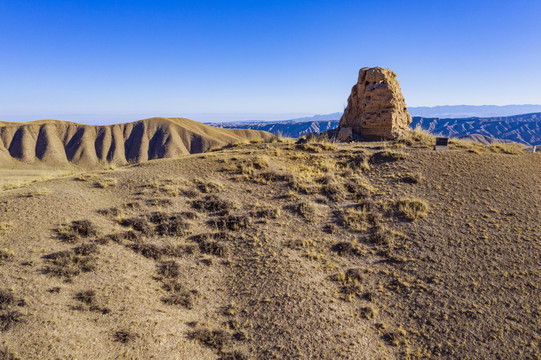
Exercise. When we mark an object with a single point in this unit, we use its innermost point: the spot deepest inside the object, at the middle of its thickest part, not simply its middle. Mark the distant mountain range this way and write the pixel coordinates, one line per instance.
(470, 111)
(525, 128)
(443, 111)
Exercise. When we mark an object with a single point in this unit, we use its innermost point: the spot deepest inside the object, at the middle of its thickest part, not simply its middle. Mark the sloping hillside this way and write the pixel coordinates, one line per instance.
(57, 143)
(279, 251)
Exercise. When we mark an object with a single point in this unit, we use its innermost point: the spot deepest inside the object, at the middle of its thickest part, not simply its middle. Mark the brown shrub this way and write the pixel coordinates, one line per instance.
(344, 248)
(124, 336)
(86, 249)
(6, 299)
(368, 312)
(68, 264)
(9, 319)
(175, 226)
(159, 217)
(215, 339)
(235, 355)
(138, 224)
(150, 251)
(212, 203)
(88, 297)
(232, 222)
(354, 274)
(169, 269)
(77, 229)
(179, 296)
(185, 299)
(268, 212)
(213, 248)
(159, 202)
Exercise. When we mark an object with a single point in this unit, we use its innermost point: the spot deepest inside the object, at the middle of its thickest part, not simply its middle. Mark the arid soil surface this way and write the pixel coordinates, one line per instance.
(279, 250)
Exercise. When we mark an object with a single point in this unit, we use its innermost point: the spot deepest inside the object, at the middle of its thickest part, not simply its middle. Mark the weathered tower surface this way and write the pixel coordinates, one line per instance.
(376, 107)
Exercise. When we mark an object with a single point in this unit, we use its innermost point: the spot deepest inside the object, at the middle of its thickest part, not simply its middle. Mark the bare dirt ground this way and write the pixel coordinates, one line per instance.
(271, 251)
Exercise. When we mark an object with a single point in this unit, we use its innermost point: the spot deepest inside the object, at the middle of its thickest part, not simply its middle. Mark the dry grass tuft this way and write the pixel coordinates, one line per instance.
(412, 209)
(213, 248)
(360, 161)
(5, 227)
(507, 148)
(306, 210)
(332, 188)
(105, 183)
(6, 354)
(212, 203)
(6, 255)
(232, 222)
(355, 219)
(316, 143)
(178, 295)
(418, 136)
(413, 178)
(6, 299)
(266, 212)
(209, 186)
(368, 312)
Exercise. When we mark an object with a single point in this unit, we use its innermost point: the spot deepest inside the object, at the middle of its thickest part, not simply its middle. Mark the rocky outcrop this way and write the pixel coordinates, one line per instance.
(56, 143)
(376, 108)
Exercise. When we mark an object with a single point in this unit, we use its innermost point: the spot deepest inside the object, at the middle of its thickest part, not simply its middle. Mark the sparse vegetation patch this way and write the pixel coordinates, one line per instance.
(412, 209)
(215, 339)
(76, 230)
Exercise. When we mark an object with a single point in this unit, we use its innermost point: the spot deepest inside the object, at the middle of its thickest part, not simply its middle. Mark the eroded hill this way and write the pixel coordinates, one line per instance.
(57, 143)
(271, 251)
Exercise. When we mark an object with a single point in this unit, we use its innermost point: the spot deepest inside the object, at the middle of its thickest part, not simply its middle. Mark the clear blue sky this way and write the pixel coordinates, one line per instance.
(108, 61)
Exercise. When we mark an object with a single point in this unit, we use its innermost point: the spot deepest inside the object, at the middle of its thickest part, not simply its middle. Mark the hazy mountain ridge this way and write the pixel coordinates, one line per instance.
(441, 111)
(288, 128)
(525, 129)
(469, 111)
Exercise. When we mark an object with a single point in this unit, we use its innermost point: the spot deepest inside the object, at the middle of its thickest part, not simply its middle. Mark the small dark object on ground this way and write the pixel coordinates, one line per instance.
(88, 297)
(9, 319)
(169, 269)
(124, 336)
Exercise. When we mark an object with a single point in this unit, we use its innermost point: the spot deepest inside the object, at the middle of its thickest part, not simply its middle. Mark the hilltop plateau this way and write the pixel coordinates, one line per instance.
(278, 250)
